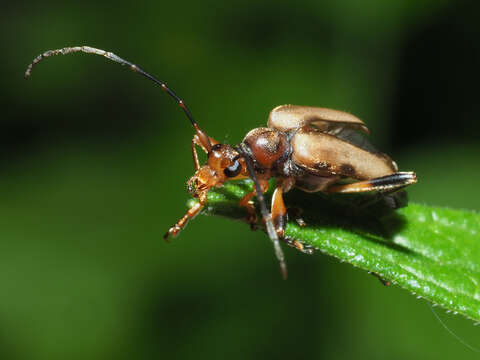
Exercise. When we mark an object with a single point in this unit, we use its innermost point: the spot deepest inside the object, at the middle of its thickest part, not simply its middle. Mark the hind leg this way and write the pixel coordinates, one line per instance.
(384, 184)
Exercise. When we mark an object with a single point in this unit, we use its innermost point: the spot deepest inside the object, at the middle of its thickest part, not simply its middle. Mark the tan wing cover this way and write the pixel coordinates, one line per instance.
(326, 155)
(290, 117)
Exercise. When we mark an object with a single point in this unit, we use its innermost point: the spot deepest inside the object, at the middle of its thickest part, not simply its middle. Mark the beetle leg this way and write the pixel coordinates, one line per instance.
(196, 141)
(296, 214)
(304, 248)
(382, 184)
(247, 203)
(280, 215)
(279, 212)
(381, 279)
(196, 163)
(190, 214)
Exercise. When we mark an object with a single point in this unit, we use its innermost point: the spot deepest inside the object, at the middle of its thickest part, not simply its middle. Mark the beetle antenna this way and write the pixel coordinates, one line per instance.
(111, 56)
(267, 216)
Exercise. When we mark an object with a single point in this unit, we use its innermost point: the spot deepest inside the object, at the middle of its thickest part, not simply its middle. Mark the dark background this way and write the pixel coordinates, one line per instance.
(94, 160)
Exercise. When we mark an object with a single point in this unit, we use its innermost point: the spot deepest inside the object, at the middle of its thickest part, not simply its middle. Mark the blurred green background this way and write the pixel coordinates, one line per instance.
(94, 160)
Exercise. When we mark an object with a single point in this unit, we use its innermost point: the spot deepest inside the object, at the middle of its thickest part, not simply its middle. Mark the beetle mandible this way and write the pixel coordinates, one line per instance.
(311, 148)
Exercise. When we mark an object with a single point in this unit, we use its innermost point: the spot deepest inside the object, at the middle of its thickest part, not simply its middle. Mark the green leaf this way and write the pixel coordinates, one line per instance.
(432, 252)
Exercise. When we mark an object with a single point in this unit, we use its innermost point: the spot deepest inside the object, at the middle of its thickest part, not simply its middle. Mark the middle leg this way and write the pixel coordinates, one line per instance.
(280, 214)
(279, 210)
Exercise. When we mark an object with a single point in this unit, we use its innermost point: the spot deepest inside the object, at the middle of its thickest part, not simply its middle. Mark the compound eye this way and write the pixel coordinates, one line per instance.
(233, 170)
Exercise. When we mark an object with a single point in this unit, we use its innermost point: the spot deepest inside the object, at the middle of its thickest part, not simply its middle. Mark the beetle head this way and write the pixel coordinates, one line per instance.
(223, 163)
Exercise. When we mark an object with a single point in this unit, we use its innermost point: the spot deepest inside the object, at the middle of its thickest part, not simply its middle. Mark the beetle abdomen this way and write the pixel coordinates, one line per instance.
(314, 183)
(326, 155)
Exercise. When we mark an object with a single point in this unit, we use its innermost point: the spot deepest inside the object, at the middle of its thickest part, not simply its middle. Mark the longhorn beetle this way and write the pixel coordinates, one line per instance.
(311, 148)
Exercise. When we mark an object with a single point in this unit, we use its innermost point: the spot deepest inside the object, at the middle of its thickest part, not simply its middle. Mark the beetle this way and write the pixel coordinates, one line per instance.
(310, 148)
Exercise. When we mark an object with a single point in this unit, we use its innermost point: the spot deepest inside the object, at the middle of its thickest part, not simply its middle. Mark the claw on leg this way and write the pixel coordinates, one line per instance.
(381, 279)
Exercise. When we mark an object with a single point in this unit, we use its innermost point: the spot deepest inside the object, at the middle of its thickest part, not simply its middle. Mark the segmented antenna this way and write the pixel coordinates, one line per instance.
(117, 59)
(267, 217)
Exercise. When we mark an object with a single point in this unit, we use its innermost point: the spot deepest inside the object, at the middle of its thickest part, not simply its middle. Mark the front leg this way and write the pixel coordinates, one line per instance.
(190, 214)
(196, 163)
(180, 224)
(247, 203)
(196, 141)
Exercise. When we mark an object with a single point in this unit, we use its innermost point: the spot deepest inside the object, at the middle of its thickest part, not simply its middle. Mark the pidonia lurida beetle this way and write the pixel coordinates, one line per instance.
(311, 148)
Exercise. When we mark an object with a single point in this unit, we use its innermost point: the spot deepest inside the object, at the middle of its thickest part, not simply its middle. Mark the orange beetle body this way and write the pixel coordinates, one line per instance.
(311, 148)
